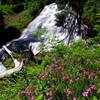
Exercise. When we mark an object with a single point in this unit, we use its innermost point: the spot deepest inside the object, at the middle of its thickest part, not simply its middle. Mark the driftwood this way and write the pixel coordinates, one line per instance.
(18, 65)
(11, 71)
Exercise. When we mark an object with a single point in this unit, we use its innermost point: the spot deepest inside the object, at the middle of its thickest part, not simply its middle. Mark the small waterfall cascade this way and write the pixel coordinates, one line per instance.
(46, 20)
(48, 38)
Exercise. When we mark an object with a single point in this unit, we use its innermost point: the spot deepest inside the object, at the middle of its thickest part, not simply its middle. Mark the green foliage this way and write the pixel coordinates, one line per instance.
(77, 53)
(9, 63)
(19, 13)
(12, 1)
(61, 3)
(74, 67)
(96, 27)
(65, 67)
(39, 32)
(22, 19)
(95, 41)
(6, 9)
(60, 18)
(91, 17)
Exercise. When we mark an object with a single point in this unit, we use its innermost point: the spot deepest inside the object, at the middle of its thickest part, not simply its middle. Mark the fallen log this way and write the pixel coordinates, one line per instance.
(17, 67)
(11, 71)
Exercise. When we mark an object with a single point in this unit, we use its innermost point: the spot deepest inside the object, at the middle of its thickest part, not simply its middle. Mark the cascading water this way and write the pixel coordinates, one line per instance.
(46, 19)
(53, 34)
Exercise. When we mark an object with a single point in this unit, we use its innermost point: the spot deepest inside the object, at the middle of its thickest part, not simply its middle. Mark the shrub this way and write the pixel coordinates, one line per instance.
(39, 32)
(77, 53)
(22, 19)
(6, 9)
(9, 63)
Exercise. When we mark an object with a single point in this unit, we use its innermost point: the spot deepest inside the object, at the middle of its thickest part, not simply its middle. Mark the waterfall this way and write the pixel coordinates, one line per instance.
(51, 36)
(46, 20)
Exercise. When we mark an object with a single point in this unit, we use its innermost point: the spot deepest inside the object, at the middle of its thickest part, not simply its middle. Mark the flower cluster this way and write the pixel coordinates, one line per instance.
(89, 90)
(88, 73)
(67, 91)
(43, 75)
(68, 81)
(49, 94)
(85, 93)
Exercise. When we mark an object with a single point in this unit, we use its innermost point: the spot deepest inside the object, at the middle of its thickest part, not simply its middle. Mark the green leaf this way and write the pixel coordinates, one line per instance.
(94, 98)
(40, 97)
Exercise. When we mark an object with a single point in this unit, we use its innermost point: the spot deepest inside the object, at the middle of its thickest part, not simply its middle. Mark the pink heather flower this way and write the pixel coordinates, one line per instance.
(93, 87)
(49, 93)
(50, 98)
(85, 93)
(71, 81)
(88, 73)
(32, 98)
(65, 77)
(74, 98)
(54, 65)
(43, 75)
(67, 91)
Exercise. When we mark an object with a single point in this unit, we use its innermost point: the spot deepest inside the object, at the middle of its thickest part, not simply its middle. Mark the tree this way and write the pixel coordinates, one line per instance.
(91, 16)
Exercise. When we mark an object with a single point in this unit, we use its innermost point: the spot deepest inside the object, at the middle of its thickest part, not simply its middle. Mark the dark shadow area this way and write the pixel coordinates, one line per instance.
(22, 45)
(18, 8)
(7, 34)
(12, 1)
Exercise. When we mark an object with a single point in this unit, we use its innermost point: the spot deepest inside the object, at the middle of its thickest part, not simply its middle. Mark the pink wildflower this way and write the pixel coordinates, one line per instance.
(43, 75)
(32, 98)
(54, 65)
(67, 91)
(74, 98)
(71, 81)
(65, 77)
(49, 94)
(85, 93)
(93, 87)
(88, 73)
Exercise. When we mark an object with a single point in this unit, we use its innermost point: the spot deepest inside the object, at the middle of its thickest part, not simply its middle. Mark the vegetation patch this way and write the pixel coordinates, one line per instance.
(69, 71)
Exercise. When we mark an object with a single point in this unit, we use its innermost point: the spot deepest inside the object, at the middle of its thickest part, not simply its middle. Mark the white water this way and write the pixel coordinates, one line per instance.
(46, 19)
(53, 34)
